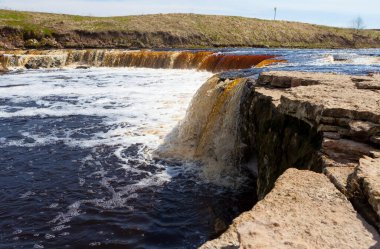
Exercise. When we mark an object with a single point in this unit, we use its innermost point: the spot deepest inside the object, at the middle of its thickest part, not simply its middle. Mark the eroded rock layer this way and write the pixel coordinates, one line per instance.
(346, 115)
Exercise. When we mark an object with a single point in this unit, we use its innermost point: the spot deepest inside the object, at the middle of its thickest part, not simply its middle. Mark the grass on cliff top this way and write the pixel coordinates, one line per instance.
(219, 29)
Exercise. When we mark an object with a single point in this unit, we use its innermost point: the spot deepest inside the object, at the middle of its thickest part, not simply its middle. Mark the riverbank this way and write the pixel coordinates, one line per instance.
(325, 123)
(40, 30)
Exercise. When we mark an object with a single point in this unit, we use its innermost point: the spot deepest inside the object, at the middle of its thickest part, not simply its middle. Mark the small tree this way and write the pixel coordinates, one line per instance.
(358, 24)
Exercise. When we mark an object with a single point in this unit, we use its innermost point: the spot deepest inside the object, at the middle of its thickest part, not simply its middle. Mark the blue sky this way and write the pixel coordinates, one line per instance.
(329, 12)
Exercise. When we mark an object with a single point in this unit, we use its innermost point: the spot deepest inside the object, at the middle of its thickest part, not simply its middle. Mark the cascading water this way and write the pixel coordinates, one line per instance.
(213, 130)
(203, 60)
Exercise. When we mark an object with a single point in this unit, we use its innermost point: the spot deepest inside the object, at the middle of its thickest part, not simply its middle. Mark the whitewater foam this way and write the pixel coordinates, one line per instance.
(128, 108)
(138, 105)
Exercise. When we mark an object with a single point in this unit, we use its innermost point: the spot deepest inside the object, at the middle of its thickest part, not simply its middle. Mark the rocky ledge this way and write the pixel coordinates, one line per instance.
(304, 210)
(328, 125)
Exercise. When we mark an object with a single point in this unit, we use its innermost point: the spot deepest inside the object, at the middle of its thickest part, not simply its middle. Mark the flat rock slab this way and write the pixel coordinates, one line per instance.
(304, 210)
(339, 96)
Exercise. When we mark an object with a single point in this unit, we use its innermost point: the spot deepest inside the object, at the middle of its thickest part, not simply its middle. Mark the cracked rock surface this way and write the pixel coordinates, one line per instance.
(304, 210)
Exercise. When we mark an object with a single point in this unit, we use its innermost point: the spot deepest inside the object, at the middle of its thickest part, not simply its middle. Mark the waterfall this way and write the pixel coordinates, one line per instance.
(213, 130)
(200, 60)
(33, 59)
(222, 62)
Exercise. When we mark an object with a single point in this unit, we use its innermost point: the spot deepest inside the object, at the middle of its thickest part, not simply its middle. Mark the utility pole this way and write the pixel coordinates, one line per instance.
(275, 13)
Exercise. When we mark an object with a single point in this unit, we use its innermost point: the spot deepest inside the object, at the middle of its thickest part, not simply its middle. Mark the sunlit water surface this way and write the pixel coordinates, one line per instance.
(349, 61)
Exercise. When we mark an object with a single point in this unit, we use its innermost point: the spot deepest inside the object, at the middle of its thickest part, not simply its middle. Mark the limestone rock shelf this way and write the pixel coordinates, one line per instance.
(326, 123)
(304, 210)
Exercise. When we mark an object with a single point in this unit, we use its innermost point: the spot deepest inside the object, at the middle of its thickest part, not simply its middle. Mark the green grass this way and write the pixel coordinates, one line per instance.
(215, 30)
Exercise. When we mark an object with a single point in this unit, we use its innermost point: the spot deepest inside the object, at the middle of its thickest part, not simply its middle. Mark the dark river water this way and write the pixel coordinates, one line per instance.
(76, 164)
(76, 168)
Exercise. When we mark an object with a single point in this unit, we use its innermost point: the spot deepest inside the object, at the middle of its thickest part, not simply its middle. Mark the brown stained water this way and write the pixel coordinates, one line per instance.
(201, 60)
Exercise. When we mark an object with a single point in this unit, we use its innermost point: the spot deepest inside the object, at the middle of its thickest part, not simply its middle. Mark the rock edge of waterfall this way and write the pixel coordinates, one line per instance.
(317, 141)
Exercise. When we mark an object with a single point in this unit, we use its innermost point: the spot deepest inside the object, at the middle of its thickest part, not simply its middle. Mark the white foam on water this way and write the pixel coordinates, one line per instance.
(143, 105)
(130, 106)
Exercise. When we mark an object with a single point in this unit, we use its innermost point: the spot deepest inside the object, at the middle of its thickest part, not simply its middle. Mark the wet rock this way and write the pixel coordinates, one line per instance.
(82, 67)
(341, 57)
(304, 210)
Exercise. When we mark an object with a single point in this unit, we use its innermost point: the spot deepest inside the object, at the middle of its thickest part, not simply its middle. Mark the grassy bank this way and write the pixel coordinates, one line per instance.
(41, 30)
